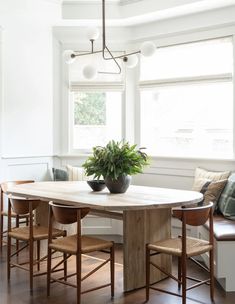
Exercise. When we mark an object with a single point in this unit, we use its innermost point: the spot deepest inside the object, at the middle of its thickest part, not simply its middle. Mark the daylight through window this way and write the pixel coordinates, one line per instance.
(186, 105)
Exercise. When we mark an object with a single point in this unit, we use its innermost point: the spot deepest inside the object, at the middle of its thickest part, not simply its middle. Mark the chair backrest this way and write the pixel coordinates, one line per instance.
(65, 214)
(22, 205)
(194, 216)
(6, 185)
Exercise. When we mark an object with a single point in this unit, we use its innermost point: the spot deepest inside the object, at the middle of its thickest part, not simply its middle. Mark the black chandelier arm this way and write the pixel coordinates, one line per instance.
(92, 45)
(111, 58)
(122, 56)
(105, 58)
(103, 25)
(85, 54)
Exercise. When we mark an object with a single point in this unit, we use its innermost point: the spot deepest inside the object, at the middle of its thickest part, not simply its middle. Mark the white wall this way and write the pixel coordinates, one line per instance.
(28, 76)
(27, 85)
(1, 101)
(26, 88)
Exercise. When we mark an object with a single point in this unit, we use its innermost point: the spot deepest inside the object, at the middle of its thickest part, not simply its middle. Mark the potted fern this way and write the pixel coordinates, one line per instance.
(116, 162)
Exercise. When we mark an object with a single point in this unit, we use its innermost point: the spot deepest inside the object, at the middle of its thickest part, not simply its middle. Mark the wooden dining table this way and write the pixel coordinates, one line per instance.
(145, 212)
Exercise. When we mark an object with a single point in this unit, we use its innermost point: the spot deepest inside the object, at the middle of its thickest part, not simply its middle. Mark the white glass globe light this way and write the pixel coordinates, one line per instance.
(148, 48)
(68, 56)
(93, 33)
(89, 71)
(131, 61)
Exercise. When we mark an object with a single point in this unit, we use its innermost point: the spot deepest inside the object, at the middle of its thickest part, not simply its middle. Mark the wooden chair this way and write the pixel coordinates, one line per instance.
(76, 245)
(19, 219)
(29, 234)
(184, 247)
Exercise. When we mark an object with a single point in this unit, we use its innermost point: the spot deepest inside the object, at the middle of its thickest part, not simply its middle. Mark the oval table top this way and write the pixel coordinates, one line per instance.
(136, 197)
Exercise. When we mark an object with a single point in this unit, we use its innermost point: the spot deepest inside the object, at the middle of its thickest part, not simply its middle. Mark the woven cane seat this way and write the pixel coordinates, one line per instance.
(89, 244)
(13, 214)
(39, 233)
(173, 246)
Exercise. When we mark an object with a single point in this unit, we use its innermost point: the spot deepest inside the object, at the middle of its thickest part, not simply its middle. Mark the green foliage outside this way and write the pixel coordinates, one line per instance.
(115, 159)
(90, 109)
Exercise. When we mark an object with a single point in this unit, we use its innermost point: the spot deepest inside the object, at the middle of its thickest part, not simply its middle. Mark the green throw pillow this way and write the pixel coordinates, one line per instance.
(226, 204)
(60, 175)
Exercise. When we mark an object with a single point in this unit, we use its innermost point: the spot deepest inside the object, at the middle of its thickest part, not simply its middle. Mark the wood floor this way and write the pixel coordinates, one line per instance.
(17, 292)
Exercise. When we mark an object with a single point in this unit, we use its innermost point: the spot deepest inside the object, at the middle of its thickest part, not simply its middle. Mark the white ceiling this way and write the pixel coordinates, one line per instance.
(160, 3)
(133, 12)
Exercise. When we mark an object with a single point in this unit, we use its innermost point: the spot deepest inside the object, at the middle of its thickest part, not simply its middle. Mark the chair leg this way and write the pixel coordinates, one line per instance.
(17, 242)
(65, 266)
(8, 258)
(112, 273)
(79, 274)
(38, 255)
(1, 232)
(31, 264)
(179, 272)
(212, 281)
(48, 271)
(147, 272)
(184, 270)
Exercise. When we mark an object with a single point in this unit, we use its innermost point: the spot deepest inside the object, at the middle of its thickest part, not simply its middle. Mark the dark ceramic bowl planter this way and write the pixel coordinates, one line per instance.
(96, 184)
(119, 185)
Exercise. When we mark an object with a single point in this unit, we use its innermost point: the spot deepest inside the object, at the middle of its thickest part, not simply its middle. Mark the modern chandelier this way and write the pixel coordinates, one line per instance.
(129, 59)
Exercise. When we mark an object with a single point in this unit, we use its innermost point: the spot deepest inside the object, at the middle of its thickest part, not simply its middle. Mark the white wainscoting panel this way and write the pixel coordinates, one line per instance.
(178, 173)
(35, 168)
(25, 168)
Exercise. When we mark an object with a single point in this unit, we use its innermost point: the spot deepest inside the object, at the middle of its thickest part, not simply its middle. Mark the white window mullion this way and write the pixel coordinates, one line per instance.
(233, 41)
(71, 122)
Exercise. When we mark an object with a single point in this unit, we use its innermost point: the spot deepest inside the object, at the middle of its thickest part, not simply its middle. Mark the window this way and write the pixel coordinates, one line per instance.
(96, 119)
(187, 100)
(95, 106)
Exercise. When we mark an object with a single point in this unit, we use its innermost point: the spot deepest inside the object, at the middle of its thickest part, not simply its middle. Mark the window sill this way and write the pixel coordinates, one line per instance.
(192, 159)
(73, 155)
(156, 158)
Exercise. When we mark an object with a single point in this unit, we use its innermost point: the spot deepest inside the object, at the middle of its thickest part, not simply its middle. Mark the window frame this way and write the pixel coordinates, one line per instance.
(93, 87)
(154, 84)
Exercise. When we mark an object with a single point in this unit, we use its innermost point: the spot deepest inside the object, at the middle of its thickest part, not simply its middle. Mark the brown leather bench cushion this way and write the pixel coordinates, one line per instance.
(224, 229)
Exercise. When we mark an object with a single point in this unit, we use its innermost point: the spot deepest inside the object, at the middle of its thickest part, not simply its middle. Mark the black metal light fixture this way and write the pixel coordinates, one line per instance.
(130, 59)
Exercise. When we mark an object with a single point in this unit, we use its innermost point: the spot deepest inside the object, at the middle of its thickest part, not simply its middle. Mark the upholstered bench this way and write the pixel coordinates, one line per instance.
(224, 229)
(224, 238)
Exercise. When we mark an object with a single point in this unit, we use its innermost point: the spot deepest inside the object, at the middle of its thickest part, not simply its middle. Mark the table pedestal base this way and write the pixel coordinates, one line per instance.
(139, 228)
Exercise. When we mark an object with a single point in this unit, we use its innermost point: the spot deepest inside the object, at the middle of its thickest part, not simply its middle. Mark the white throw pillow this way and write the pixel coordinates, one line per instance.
(77, 174)
(202, 176)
